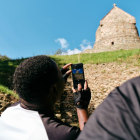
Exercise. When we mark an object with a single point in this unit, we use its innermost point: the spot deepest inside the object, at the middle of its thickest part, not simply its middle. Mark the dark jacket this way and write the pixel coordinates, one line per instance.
(118, 117)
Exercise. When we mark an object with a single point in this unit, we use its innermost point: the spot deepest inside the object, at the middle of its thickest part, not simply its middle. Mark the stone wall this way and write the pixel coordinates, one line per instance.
(117, 31)
(116, 36)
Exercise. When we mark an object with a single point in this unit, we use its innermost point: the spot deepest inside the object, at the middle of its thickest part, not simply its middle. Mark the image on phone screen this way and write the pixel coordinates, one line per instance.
(78, 74)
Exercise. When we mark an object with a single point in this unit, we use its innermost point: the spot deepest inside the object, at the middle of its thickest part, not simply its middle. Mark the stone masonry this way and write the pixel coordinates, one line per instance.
(117, 31)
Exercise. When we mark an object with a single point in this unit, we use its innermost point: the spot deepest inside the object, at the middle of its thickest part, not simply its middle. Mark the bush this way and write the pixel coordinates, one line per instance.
(4, 57)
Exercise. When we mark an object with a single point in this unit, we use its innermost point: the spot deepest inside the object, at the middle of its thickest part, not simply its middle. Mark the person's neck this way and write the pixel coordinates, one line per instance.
(41, 108)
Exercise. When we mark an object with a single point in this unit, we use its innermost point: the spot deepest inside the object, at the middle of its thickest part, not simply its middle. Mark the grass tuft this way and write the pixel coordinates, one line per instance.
(6, 90)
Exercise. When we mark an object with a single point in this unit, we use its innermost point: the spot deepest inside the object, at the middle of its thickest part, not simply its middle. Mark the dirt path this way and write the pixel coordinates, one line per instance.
(5, 101)
(104, 78)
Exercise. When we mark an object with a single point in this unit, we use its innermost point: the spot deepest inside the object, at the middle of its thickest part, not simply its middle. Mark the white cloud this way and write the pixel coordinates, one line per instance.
(71, 52)
(64, 45)
(63, 42)
(83, 46)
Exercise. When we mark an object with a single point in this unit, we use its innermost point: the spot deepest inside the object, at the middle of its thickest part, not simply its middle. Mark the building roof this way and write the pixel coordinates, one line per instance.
(118, 15)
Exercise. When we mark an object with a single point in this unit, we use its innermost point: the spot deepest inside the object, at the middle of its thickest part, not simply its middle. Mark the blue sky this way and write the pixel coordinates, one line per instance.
(34, 27)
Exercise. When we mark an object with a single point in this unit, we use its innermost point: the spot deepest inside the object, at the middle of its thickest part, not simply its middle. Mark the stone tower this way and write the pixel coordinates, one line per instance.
(117, 31)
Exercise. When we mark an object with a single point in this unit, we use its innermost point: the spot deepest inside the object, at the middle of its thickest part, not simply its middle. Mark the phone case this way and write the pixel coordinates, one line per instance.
(78, 75)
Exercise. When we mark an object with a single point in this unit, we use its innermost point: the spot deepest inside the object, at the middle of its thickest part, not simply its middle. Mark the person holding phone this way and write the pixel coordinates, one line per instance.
(39, 83)
(82, 94)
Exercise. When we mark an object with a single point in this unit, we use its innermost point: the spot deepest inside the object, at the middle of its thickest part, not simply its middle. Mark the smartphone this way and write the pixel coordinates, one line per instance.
(78, 75)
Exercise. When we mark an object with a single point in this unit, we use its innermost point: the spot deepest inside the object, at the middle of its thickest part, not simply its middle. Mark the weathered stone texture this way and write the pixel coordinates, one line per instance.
(117, 31)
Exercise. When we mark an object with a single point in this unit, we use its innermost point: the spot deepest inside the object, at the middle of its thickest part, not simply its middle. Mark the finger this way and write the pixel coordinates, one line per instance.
(74, 90)
(68, 72)
(66, 75)
(67, 65)
(85, 85)
(79, 87)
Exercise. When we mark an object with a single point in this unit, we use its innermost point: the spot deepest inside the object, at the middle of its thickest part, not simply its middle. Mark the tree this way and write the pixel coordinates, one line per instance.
(58, 52)
(4, 57)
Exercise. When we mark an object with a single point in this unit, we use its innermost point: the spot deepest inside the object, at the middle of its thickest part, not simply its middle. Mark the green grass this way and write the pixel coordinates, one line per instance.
(97, 58)
(7, 66)
(6, 90)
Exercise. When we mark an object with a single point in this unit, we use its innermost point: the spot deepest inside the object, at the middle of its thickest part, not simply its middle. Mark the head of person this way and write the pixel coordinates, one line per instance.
(38, 81)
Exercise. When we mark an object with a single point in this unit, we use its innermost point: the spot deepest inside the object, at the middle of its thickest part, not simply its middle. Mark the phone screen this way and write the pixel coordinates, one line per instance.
(78, 74)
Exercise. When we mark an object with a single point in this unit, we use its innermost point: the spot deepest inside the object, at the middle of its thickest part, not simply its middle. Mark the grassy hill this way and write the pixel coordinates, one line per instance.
(7, 66)
(97, 58)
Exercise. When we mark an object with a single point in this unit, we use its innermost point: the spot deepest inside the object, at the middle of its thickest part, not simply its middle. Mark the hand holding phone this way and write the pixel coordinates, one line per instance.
(82, 96)
(78, 75)
(65, 71)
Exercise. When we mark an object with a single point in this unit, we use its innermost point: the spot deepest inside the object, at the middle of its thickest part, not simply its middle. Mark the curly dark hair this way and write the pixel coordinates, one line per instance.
(34, 77)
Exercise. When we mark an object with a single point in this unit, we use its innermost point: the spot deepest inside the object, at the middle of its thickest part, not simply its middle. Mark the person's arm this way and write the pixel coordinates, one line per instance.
(82, 98)
(82, 117)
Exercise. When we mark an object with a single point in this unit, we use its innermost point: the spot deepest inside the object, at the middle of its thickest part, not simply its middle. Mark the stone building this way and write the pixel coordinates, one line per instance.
(117, 31)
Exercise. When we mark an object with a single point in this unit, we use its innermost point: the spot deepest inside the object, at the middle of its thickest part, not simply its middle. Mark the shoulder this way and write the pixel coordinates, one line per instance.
(118, 112)
(56, 129)
(128, 92)
(132, 83)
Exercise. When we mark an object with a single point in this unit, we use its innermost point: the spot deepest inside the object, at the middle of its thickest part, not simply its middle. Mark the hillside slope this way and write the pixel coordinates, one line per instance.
(104, 71)
(102, 78)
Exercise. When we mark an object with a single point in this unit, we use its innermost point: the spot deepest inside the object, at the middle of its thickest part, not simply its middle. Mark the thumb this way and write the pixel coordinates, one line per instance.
(73, 90)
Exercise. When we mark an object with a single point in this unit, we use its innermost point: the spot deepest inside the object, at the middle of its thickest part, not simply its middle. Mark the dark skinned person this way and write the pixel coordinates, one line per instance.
(40, 83)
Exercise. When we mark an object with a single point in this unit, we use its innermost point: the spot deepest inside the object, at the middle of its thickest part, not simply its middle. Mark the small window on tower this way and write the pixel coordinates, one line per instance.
(112, 43)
